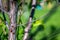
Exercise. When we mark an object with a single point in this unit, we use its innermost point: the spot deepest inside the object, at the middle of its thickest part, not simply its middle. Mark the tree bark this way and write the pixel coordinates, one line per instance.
(27, 29)
(5, 5)
(13, 25)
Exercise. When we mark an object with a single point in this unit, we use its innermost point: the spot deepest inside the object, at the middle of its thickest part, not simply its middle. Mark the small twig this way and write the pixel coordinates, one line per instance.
(6, 23)
(20, 4)
(3, 13)
(4, 10)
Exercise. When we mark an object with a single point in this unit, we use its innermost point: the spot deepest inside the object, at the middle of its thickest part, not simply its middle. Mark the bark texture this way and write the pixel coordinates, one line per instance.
(12, 15)
(28, 27)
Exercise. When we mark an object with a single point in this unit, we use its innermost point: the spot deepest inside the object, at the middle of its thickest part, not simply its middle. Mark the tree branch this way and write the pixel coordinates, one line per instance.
(1, 7)
(3, 11)
(27, 29)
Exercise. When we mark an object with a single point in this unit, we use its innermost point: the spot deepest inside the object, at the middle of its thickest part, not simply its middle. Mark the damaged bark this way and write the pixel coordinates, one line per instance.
(13, 25)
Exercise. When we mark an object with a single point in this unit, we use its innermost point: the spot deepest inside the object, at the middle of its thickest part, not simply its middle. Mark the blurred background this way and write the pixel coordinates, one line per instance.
(45, 23)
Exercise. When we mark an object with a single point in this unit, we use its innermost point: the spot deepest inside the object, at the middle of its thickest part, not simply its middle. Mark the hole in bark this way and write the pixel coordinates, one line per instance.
(6, 8)
(12, 26)
(11, 30)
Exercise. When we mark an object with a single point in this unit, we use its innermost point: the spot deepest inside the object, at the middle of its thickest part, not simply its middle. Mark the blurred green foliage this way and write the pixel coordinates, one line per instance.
(47, 30)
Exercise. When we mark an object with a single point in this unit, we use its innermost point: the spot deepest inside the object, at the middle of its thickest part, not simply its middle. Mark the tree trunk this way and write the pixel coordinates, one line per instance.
(12, 15)
(13, 25)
